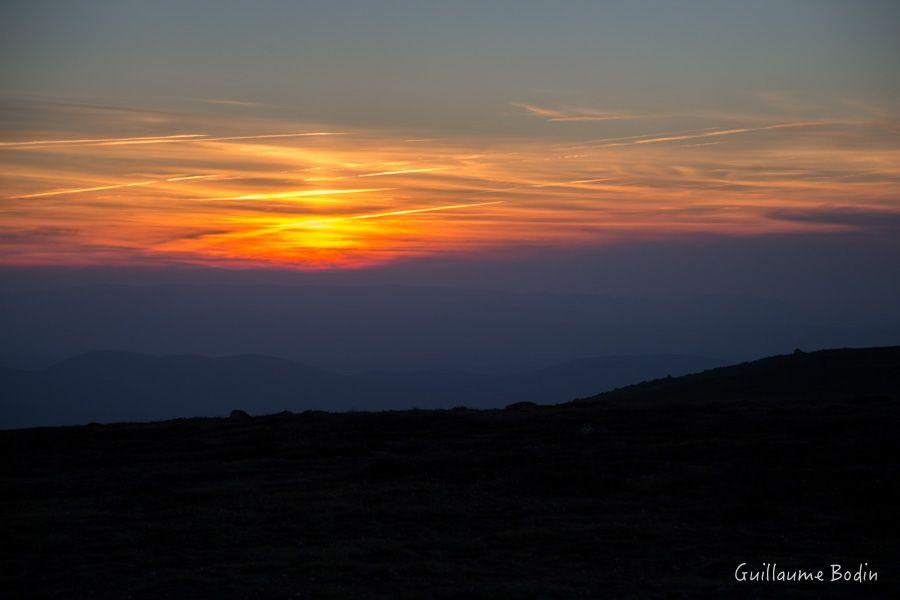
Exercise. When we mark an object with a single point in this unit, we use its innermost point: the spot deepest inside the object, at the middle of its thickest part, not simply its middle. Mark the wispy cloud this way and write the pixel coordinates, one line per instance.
(377, 174)
(603, 140)
(300, 194)
(153, 139)
(213, 199)
(392, 213)
(114, 186)
(843, 216)
(708, 134)
(575, 113)
(164, 139)
(402, 172)
(226, 102)
(700, 145)
(267, 136)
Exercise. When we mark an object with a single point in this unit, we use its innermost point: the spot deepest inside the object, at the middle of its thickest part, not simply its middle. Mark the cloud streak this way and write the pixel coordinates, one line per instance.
(155, 139)
(301, 194)
(708, 134)
(575, 113)
(225, 102)
(167, 139)
(224, 202)
(397, 213)
(116, 186)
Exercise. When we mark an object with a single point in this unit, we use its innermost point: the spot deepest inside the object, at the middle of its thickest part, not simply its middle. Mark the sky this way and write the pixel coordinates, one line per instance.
(358, 136)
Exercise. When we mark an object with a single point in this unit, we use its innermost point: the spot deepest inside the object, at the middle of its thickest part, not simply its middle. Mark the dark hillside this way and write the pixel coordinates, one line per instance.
(592, 499)
(839, 373)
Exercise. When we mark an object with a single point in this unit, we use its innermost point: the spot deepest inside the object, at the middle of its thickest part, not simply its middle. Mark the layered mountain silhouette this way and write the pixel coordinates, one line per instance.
(361, 328)
(123, 386)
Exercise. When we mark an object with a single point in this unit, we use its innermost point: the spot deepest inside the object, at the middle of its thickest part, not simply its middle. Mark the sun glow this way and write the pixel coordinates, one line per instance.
(246, 195)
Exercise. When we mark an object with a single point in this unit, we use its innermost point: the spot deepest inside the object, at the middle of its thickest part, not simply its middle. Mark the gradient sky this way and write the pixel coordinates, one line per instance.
(355, 134)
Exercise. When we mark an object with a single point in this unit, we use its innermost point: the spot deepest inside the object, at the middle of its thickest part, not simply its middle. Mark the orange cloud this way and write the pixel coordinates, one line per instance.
(241, 194)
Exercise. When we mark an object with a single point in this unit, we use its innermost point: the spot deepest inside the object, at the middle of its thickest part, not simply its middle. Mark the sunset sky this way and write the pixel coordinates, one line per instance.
(341, 135)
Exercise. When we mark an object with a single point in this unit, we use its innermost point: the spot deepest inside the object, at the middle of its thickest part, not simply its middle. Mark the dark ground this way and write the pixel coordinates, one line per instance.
(613, 498)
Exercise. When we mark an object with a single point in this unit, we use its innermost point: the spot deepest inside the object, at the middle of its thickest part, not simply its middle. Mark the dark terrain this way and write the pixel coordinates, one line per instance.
(659, 489)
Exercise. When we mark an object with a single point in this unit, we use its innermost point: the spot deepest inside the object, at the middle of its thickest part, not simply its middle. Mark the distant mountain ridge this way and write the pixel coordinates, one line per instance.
(362, 328)
(106, 386)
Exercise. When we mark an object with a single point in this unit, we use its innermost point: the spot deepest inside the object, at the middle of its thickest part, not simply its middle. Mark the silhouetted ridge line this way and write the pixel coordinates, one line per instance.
(833, 373)
(108, 386)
